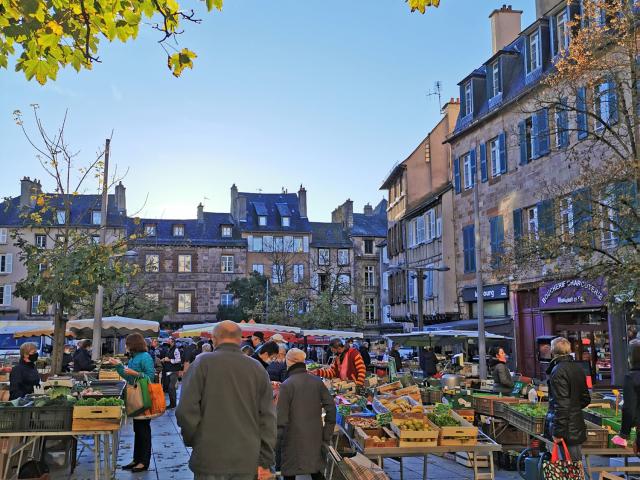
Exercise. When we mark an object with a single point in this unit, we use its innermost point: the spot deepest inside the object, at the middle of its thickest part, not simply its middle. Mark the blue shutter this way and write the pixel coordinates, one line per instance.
(527, 55)
(543, 140)
(456, 174)
(463, 101)
(583, 212)
(613, 102)
(468, 246)
(546, 220)
(553, 28)
(489, 81)
(535, 129)
(472, 155)
(563, 123)
(626, 202)
(522, 131)
(502, 145)
(517, 223)
(581, 115)
(497, 239)
(484, 175)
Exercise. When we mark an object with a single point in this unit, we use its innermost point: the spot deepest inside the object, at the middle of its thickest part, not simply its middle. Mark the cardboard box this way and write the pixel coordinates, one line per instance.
(365, 438)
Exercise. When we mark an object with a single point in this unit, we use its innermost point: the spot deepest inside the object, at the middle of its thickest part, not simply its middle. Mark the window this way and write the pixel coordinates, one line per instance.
(428, 283)
(61, 217)
(258, 268)
(262, 220)
(609, 223)
(468, 99)
(412, 286)
(600, 16)
(323, 280)
(227, 231)
(286, 221)
(535, 56)
(324, 256)
(178, 230)
(277, 273)
(150, 229)
(3, 236)
(60, 239)
(152, 263)
(5, 295)
(494, 156)
(152, 297)
(431, 225)
(369, 276)
(298, 244)
(562, 124)
(184, 302)
(35, 303)
(420, 230)
(267, 243)
(495, 78)
(534, 136)
(344, 282)
(6, 262)
(288, 244)
(257, 244)
(469, 171)
(95, 239)
(385, 281)
(343, 256)
(496, 228)
(369, 309)
(298, 273)
(567, 228)
(605, 101)
(527, 141)
(41, 241)
(184, 263)
(581, 112)
(42, 267)
(368, 247)
(532, 221)
(226, 299)
(469, 248)
(96, 217)
(227, 264)
(278, 244)
(563, 32)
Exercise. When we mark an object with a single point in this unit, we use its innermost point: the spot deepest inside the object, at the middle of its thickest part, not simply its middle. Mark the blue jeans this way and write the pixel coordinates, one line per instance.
(230, 476)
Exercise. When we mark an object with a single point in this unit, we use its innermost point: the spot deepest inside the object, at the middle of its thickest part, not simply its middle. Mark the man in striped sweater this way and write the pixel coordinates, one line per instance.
(347, 364)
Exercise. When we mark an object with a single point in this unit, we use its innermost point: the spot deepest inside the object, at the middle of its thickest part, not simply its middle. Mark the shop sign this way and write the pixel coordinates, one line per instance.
(572, 293)
(489, 292)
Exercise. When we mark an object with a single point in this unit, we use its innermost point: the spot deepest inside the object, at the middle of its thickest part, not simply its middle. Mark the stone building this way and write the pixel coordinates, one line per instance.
(420, 235)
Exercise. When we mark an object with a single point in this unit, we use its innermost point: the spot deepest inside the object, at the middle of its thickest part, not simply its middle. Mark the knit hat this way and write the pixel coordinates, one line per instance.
(277, 338)
(295, 355)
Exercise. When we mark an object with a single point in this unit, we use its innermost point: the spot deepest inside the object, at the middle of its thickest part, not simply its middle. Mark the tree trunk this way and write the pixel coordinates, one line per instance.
(59, 331)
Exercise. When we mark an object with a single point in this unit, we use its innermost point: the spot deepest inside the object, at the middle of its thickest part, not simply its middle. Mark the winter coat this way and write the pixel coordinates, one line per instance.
(23, 378)
(277, 371)
(356, 371)
(631, 406)
(226, 413)
(428, 362)
(568, 395)
(300, 431)
(142, 363)
(366, 358)
(502, 380)
(82, 361)
(396, 356)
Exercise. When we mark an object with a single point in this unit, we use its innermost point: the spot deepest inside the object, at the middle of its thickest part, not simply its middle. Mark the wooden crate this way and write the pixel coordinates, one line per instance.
(389, 387)
(95, 412)
(490, 404)
(379, 408)
(413, 391)
(412, 438)
(465, 434)
(108, 375)
(364, 438)
(468, 414)
(597, 437)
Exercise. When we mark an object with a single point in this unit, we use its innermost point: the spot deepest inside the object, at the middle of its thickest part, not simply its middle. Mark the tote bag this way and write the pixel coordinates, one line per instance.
(137, 397)
(556, 469)
(158, 403)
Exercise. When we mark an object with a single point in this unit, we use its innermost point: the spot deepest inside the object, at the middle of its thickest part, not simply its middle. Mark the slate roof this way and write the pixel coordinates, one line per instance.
(81, 208)
(207, 233)
(329, 235)
(371, 225)
(274, 206)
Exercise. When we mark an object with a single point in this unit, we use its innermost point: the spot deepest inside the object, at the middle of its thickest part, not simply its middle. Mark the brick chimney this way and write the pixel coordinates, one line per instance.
(121, 198)
(344, 214)
(233, 209)
(302, 201)
(200, 213)
(28, 189)
(543, 6)
(505, 26)
(368, 210)
(242, 209)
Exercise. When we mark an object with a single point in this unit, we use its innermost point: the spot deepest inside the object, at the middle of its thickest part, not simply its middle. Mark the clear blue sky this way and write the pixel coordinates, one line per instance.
(328, 94)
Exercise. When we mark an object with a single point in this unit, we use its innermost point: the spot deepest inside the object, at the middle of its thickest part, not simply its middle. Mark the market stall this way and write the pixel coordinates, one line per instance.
(115, 326)
(206, 330)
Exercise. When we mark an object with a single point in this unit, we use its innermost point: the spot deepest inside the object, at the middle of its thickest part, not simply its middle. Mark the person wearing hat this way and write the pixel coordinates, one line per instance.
(301, 433)
(347, 364)
(279, 339)
(277, 370)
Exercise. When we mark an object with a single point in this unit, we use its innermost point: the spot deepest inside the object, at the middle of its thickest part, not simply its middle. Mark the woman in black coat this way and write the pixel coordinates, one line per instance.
(300, 431)
(24, 376)
(631, 395)
(82, 359)
(502, 379)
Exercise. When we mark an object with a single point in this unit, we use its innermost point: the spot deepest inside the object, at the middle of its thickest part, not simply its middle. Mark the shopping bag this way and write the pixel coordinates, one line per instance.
(144, 389)
(556, 469)
(158, 403)
(135, 398)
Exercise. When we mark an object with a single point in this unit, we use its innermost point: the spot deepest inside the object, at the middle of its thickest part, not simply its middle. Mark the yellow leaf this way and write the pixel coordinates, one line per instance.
(55, 27)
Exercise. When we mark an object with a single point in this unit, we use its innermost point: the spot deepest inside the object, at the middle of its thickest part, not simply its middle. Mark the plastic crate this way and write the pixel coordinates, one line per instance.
(49, 419)
(12, 419)
(534, 425)
(597, 437)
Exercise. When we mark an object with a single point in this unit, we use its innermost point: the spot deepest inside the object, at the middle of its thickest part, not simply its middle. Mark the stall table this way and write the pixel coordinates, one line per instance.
(105, 438)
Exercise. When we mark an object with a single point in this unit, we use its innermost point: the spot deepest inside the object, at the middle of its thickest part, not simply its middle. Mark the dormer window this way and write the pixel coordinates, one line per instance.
(468, 99)
(535, 55)
(286, 221)
(496, 85)
(96, 217)
(178, 230)
(226, 231)
(150, 229)
(563, 32)
(61, 217)
(262, 220)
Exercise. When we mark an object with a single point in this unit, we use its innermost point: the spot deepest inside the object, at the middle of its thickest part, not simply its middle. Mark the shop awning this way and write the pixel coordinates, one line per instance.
(435, 337)
(471, 323)
(332, 334)
(206, 330)
(115, 326)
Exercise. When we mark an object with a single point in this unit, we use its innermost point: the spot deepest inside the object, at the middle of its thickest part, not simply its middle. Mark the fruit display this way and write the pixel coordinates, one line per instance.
(414, 424)
(363, 422)
(400, 405)
(313, 366)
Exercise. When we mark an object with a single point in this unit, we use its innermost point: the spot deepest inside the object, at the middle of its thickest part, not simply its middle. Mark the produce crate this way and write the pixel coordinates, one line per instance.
(500, 406)
(465, 434)
(379, 408)
(49, 419)
(416, 438)
(468, 414)
(487, 404)
(534, 425)
(435, 396)
(505, 434)
(108, 375)
(413, 391)
(597, 437)
(353, 421)
(365, 438)
(13, 419)
(389, 387)
(95, 411)
(597, 413)
(613, 424)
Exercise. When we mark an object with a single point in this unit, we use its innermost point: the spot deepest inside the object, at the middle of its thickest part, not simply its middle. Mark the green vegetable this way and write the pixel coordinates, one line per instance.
(443, 420)
(531, 410)
(103, 402)
(56, 392)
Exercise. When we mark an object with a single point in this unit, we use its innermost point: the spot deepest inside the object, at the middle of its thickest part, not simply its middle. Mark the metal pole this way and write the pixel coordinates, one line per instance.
(482, 344)
(266, 316)
(420, 273)
(97, 315)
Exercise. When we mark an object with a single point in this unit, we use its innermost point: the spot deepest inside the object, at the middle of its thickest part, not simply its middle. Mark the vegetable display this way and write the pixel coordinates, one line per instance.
(531, 410)
(103, 402)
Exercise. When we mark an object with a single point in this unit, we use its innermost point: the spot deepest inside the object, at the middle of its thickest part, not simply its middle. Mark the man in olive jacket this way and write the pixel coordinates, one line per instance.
(226, 412)
(300, 431)
(568, 395)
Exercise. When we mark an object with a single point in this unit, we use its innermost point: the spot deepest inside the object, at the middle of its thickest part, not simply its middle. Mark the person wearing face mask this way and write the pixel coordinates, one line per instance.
(82, 359)
(24, 376)
(347, 364)
(502, 380)
(268, 353)
(67, 358)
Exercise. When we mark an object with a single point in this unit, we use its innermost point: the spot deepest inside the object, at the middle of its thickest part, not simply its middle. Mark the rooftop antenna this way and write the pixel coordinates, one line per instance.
(436, 91)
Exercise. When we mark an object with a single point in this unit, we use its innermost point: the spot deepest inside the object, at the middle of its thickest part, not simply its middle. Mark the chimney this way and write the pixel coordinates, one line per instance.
(28, 189)
(121, 198)
(543, 6)
(368, 210)
(505, 26)
(233, 210)
(242, 209)
(344, 214)
(302, 201)
(200, 213)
